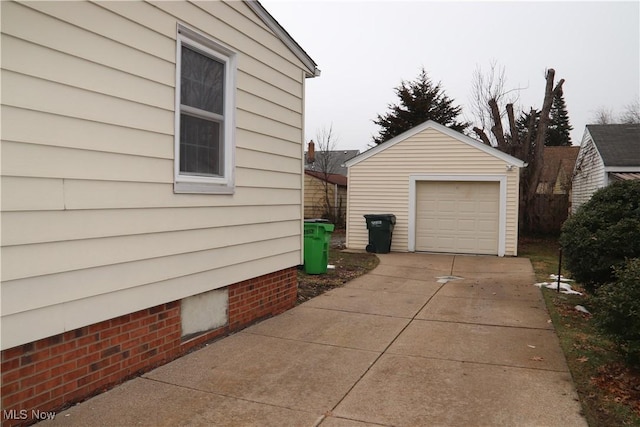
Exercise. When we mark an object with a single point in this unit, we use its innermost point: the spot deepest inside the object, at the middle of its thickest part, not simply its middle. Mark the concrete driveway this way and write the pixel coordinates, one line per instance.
(406, 345)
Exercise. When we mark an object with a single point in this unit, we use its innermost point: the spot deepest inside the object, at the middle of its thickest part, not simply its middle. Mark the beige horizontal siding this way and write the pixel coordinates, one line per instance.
(314, 197)
(83, 194)
(274, 64)
(267, 90)
(84, 44)
(93, 227)
(267, 161)
(26, 92)
(143, 13)
(380, 184)
(22, 228)
(257, 105)
(267, 144)
(34, 292)
(264, 125)
(44, 194)
(42, 161)
(69, 194)
(27, 58)
(71, 132)
(268, 179)
(108, 25)
(51, 319)
(50, 258)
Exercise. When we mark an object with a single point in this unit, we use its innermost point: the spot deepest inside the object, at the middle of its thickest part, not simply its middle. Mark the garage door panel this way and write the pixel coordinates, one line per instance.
(446, 206)
(467, 225)
(446, 224)
(459, 217)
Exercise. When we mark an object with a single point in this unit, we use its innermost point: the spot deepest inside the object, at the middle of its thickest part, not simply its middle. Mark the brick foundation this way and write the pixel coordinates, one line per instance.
(55, 372)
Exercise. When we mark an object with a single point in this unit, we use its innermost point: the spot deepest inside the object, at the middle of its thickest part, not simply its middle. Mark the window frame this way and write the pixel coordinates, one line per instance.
(189, 183)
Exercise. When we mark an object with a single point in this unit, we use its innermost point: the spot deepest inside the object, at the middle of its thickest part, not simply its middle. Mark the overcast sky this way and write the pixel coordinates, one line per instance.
(365, 49)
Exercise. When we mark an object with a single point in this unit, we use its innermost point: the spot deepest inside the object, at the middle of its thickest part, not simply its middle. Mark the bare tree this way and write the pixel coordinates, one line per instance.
(529, 149)
(327, 163)
(488, 92)
(606, 116)
(631, 113)
(603, 116)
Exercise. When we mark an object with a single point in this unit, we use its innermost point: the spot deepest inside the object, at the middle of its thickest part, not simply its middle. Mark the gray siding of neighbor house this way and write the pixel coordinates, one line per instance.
(589, 173)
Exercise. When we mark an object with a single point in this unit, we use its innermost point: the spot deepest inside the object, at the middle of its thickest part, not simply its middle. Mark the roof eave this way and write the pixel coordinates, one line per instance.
(298, 51)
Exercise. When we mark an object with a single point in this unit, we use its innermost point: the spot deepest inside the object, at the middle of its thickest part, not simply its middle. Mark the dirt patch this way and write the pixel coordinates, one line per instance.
(347, 265)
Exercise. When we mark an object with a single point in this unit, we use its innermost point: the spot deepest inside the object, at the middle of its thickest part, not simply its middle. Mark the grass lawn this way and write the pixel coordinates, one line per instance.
(609, 391)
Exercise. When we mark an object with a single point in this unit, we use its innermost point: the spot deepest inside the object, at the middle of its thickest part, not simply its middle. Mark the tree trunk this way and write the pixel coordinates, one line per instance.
(515, 138)
(537, 159)
(497, 129)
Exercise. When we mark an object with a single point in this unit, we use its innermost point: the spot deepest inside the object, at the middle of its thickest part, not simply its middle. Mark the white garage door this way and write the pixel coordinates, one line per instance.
(458, 217)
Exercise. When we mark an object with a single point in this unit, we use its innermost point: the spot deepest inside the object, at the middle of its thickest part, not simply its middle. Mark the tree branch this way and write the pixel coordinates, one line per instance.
(483, 136)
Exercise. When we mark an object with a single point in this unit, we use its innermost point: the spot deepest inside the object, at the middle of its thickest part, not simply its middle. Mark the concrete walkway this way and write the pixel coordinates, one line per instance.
(395, 347)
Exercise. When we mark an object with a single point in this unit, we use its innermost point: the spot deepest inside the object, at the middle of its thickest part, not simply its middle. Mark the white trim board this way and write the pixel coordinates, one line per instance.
(502, 226)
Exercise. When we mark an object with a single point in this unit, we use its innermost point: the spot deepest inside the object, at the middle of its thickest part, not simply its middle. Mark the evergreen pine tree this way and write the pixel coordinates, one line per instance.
(522, 123)
(420, 100)
(559, 127)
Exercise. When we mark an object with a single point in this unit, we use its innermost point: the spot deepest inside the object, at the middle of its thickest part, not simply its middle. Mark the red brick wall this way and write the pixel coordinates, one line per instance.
(55, 372)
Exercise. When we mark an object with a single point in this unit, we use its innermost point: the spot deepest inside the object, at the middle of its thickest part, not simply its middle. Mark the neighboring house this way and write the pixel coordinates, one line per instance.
(557, 170)
(332, 161)
(318, 187)
(449, 193)
(325, 188)
(550, 206)
(151, 186)
(607, 153)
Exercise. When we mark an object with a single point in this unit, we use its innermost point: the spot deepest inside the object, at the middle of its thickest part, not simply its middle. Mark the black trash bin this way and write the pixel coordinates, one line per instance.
(380, 228)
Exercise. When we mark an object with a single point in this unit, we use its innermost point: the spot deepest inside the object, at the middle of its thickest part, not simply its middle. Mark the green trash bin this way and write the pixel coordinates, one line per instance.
(380, 228)
(317, 236)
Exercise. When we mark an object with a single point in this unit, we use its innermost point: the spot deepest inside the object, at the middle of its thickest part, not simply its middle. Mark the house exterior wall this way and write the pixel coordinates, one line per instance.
(89, 215)
(382, 182)
(52, 372)
(589, 173)
(91, 227)
(314, 198)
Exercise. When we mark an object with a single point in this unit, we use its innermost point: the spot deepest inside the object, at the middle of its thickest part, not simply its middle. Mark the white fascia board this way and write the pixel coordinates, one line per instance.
(285, 37)
(430, 124)
(586, 136)
(595, 146)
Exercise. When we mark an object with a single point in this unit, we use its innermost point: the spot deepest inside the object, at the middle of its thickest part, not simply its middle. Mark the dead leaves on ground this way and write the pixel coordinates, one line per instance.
(621, 384)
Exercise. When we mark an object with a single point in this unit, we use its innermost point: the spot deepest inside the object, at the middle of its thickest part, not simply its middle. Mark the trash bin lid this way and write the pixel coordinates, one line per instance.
(384, 217)
(314, 220)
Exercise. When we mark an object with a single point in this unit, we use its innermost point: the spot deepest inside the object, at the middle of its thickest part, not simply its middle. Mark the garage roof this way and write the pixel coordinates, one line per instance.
(430, 124)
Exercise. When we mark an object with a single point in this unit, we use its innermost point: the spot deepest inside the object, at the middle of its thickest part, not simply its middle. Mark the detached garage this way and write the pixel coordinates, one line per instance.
(450, 193)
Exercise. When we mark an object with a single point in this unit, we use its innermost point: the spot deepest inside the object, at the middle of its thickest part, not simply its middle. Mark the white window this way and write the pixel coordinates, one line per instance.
(205, 109)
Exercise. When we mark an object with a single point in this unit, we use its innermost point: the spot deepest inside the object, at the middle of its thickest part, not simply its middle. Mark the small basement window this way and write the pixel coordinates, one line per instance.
(204, 118)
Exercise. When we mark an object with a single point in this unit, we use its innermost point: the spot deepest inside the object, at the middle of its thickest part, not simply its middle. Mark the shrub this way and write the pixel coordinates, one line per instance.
(602, 233)
(617, 309)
